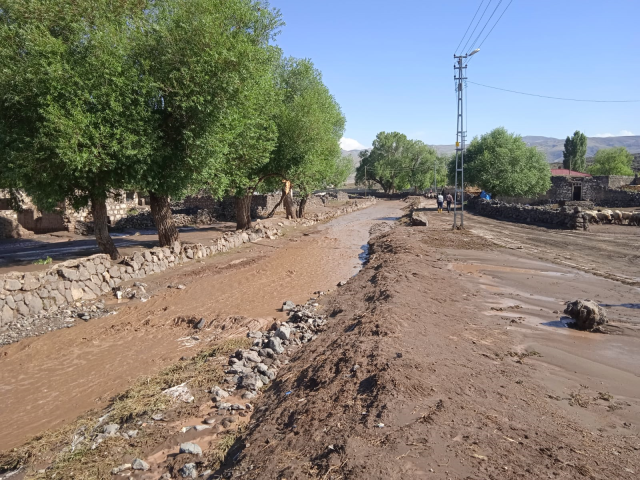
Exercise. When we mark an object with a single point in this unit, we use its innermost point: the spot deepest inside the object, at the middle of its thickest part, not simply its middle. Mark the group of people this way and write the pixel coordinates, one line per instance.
(441, 199)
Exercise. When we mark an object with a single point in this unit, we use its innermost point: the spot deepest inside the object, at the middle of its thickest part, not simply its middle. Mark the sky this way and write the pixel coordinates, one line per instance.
(390, 65)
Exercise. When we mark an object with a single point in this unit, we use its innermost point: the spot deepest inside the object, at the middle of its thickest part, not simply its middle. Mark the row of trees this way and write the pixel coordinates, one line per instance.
(165, 96)
(396, 162)
(607, 161)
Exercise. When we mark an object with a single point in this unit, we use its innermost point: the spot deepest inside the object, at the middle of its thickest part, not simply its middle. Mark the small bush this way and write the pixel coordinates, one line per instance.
(43, 261)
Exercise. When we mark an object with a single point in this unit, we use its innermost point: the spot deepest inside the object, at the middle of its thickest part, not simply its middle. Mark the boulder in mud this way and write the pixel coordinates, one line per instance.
(191, 448)
(180, 392)
(419, 219)
(252, 381)
(189, 470)
(588, 315)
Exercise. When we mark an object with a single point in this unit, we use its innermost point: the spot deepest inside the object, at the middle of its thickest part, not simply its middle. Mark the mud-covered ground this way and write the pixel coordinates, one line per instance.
(448, 358)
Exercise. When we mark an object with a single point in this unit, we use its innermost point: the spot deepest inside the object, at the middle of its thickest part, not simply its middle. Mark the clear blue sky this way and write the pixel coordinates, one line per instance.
(390, 65)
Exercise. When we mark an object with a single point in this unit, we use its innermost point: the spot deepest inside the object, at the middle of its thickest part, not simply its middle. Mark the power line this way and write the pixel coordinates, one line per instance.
(554, 98)
(485, 25)
(464, 49)
(494, 25)
(470, 23)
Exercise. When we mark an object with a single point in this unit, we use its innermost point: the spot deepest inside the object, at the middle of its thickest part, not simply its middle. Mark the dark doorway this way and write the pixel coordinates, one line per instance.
(577, 193)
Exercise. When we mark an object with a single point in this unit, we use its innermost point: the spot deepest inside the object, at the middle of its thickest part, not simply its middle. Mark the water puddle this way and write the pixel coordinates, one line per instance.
(564, 322)
(635, 306)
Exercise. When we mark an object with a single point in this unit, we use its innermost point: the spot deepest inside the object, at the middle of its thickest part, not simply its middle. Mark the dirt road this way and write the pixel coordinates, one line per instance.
(49, 380)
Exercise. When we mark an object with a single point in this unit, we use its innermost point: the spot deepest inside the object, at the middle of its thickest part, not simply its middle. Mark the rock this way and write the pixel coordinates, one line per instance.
(251, 356)
(228, 421)
(69, 274)
(189, 471)
(30, 283)
(12, 285)
(191, 448)
(165, 476)
(419, 219)
(132, 433)
(121, 468)
(588, 315)
(283, 332)
(251, 381)
(342, 283)
(248, 395)
(111, 429)
(139, 464)
(237, 406)
(288, 305)
(223, 406)
(210, 420)
(275, 344)
(180, 392)
(200, 324)
(219, 393)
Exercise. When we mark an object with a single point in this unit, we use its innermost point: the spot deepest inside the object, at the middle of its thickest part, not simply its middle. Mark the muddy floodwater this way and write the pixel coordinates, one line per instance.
(48, 380)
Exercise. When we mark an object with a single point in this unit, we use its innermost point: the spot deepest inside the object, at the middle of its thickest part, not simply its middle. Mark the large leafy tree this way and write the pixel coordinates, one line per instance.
(501, 163)
(422, 165)
(203, 57)
(310, 124)
(574, 156)
(387, 162)
(74, 122)
(612, 161)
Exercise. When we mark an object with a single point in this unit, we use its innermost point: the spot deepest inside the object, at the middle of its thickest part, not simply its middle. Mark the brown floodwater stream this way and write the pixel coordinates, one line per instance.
(49, 380)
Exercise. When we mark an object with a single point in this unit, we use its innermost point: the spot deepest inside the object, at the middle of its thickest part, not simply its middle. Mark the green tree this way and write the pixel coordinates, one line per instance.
(421, 165)
(203, 57)
(612, 161)
(575, 152)
(309, 124)
(502, 164)
(74, 121)
(387, 163)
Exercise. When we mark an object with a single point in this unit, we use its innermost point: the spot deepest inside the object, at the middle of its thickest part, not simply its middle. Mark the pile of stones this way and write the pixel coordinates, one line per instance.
(253, 368)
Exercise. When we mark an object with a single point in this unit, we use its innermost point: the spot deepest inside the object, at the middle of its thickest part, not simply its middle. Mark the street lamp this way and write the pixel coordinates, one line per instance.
(474, 52)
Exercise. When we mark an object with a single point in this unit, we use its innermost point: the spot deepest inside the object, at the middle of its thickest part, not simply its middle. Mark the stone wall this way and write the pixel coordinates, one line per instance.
(561, 217)
(27, 297)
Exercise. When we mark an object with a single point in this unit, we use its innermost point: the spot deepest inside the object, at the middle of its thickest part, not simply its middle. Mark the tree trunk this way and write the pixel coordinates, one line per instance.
(288, 200)
(101, 228)
(161, 212)
(273, 210)
(243, 212)
(302, 206)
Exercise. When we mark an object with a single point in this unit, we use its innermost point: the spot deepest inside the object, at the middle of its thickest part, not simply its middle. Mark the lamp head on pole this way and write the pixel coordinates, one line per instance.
(474, 52)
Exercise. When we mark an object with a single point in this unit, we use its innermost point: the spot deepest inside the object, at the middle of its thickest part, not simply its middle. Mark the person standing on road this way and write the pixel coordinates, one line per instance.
(449, 200)
(440, 202)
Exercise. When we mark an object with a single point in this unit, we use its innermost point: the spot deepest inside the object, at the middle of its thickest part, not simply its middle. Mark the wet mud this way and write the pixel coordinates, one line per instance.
(49, 380)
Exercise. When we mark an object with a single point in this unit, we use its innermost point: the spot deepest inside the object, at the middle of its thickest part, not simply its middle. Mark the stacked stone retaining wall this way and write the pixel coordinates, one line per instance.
(26, 297)
(560, 217)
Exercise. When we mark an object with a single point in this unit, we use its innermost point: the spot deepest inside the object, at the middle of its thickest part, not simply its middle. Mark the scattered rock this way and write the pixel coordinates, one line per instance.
(283, 332)
(121, 468)
(588, 315)
(288, 305)
(189, 471)
(111, 429)
(419, 219)
(191, 448)
(200, 324)
(180, 392)
(275, 344)
(139, 464)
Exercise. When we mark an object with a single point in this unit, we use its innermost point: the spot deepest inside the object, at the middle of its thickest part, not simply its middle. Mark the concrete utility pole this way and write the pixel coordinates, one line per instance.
(461, 138)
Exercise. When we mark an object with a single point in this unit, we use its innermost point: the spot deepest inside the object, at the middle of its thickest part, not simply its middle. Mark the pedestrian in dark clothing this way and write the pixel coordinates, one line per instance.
(449, 200)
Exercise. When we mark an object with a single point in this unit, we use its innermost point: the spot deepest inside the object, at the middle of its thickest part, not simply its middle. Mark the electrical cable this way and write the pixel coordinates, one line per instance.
(464, 49)
(485, 26)
(554, 98)
(494, 25)
(470, 23)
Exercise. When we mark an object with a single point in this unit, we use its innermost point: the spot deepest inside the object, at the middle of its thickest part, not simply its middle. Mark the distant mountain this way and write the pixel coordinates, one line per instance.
(553, 147)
